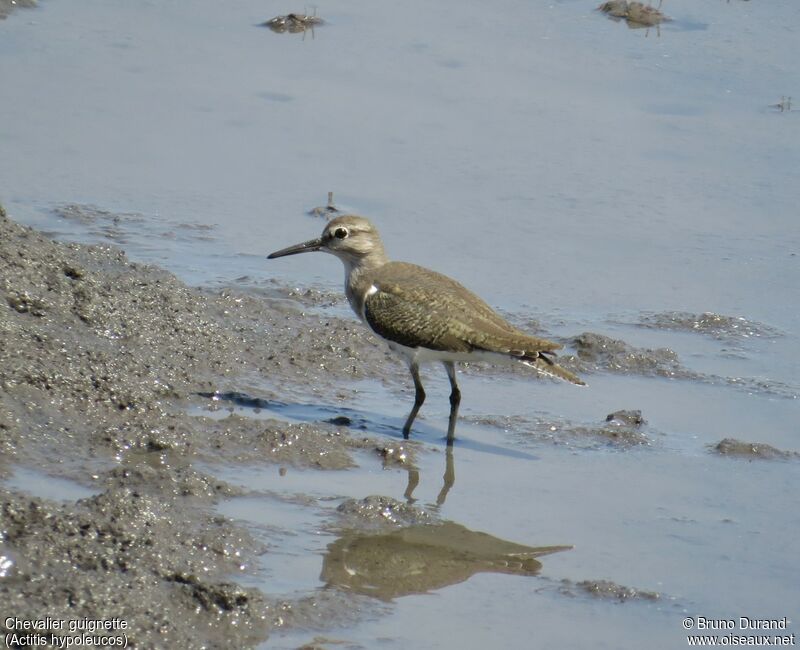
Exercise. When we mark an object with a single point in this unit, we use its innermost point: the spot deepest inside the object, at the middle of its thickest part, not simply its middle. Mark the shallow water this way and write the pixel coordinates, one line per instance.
(695, 535)
(45, 486)
(566, 168)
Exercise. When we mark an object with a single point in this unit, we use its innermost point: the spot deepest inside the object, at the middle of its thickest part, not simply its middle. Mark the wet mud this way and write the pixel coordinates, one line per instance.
(597, 352)
(121, 227)
(607, 590)
(752, 450)
(620, 430)
(145, 559)
(99, 360)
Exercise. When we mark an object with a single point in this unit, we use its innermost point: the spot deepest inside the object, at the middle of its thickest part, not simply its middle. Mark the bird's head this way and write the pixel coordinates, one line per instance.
(351, 238)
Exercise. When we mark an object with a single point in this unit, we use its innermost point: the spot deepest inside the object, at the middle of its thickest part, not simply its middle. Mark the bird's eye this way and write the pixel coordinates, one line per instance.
(340, 233)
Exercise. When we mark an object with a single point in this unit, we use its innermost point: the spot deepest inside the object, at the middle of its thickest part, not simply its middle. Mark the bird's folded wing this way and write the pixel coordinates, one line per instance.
(416, 314)
(410, 323)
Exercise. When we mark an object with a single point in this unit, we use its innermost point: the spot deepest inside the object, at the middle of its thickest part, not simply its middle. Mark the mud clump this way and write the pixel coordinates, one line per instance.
(626, 418)
(608, 590)
(621, 429)
(752, 450)
(381, 512)
(598, 352)
(397, 455)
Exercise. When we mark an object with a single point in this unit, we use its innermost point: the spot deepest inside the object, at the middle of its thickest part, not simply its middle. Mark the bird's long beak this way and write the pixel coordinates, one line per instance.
(305, 247)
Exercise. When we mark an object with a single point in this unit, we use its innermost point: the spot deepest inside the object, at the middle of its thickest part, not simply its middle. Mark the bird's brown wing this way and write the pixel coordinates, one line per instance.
(408, 322)
(417, 307)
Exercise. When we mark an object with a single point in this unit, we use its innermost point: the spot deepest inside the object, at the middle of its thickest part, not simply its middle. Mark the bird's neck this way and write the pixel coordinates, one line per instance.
(358, 274)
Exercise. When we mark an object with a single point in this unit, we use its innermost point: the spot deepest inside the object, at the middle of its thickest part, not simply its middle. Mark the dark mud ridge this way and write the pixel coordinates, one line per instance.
(100, 359)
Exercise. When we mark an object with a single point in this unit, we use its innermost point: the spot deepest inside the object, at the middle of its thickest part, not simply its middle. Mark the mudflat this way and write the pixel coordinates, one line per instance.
(100, 358)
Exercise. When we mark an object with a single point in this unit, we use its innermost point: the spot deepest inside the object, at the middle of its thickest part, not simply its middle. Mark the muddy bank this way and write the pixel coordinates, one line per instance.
(99, 360)
(86, 331)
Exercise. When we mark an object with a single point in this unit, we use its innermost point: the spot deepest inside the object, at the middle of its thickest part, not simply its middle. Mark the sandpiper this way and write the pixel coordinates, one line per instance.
(423, 315)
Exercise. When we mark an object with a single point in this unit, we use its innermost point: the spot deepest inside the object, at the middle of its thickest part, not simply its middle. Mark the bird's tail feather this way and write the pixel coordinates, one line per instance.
(549, 368)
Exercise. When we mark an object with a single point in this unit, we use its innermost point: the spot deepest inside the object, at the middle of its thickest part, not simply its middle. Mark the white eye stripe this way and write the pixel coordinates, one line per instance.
(372, 290)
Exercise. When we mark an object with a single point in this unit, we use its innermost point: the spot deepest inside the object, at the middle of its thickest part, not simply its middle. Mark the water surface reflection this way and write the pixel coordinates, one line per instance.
(422, 558)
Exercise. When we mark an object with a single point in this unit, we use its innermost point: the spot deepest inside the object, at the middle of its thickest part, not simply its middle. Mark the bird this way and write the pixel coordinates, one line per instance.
(424, 316)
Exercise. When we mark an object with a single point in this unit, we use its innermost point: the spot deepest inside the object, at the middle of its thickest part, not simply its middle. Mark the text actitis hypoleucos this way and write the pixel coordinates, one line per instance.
(424, 315)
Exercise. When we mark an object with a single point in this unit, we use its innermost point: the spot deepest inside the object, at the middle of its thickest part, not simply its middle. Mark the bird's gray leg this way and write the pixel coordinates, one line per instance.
(419, 398)
(455, 400)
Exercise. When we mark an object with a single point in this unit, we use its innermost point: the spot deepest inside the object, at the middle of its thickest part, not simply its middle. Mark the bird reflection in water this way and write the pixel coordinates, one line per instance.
(448, 479)
(423, 557)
